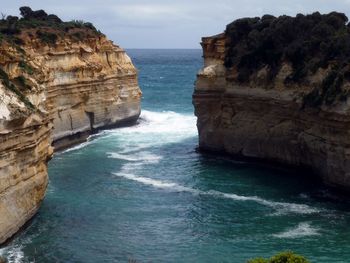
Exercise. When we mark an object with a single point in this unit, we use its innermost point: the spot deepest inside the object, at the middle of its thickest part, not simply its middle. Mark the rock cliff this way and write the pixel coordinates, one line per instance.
(277, 89)
(59, 82)
(90, 85)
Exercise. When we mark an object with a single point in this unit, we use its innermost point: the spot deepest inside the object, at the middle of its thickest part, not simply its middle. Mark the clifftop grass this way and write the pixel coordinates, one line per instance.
(307, 42)
(47, 27)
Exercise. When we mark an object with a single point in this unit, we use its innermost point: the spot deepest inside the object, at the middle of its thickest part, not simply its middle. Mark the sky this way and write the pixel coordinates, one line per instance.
(169, 23)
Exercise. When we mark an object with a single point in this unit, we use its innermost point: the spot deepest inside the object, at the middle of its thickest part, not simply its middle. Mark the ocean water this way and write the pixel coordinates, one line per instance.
(144, 194)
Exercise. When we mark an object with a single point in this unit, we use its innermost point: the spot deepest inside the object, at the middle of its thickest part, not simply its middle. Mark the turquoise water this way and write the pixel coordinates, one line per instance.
(143, 193)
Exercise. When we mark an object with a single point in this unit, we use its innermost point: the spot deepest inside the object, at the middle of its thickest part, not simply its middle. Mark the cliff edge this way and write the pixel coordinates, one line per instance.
(59, 82)
(276, 88)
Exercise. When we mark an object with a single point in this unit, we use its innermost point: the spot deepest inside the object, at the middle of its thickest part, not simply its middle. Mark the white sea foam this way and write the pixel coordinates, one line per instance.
(145, 157)
(153, 129)
(280, 207)
(131, 148)
(77, 147)
(302, 230)
(13, 254)
(157, 183)
(126, 168)
(158, 128)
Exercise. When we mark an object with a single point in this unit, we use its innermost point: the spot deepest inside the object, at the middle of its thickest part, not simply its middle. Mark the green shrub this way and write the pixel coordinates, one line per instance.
(4, 77)
(78, 23)
(18, 41)
(22, 83)
(288, 257)
(329, 92)
(50, 26)
(307, 42)
(78, 35)
(9, 85)
(21, 80)
(284, 257)
(25, 67)
(10, 26)
(47, 37)
(90, 26)
(258, 260)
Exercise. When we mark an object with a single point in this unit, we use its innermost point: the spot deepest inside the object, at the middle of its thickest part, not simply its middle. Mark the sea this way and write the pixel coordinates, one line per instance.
(146, 194)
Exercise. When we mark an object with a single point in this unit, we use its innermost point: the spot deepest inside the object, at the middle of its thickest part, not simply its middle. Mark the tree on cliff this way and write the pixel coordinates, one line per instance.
(307, 42)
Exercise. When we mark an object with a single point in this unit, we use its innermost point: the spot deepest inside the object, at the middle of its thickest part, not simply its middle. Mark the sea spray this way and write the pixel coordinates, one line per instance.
(158, 128)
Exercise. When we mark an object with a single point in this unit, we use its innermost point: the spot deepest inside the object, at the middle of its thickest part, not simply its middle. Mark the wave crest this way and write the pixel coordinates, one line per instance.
(145, 157)
(280, 207)
(302, 230)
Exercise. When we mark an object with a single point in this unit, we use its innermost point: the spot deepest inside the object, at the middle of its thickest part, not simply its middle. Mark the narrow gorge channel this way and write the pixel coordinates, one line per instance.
(144, 193)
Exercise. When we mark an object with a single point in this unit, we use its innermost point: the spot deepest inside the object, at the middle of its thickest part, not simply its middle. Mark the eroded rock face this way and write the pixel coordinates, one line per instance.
(25, 148)
(267, 119)
(89, 85)
(55, 93)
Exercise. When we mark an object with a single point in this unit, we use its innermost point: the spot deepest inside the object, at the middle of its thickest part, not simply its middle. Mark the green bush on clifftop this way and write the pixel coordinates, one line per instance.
(307, 42)
(48, 27)
(284, 257)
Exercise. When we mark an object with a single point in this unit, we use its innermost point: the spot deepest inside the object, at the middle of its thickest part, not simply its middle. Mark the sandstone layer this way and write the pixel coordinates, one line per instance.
(25, 148)
(268, 119)
(90, 85)
(59, 82)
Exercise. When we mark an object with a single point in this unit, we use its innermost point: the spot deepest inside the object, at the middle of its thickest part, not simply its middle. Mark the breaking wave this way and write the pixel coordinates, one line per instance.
(157, 128)
(302, 230)
(13, 254)
(280, 207)
(145, 156)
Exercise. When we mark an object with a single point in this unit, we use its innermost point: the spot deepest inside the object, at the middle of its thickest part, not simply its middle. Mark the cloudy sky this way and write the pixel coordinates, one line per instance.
(169, 23)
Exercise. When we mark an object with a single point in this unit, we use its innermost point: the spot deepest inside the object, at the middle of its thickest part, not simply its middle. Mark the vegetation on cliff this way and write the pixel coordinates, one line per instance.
(34, 25)
(15, 86)
(284, 257)
(48, 28)
(307, 42)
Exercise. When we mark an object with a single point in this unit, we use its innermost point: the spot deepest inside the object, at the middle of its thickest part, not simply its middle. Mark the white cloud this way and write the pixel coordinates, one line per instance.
(169, 23)
(143, 11)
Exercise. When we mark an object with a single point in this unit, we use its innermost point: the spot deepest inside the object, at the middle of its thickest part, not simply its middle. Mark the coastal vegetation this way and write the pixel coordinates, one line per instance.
(307, 42)
(21, 82)
(284, 257)
(47, 27)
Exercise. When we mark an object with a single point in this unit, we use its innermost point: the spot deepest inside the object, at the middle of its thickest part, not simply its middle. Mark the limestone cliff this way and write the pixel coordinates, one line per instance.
(25, 139)
(59, 82)
(270, 92)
